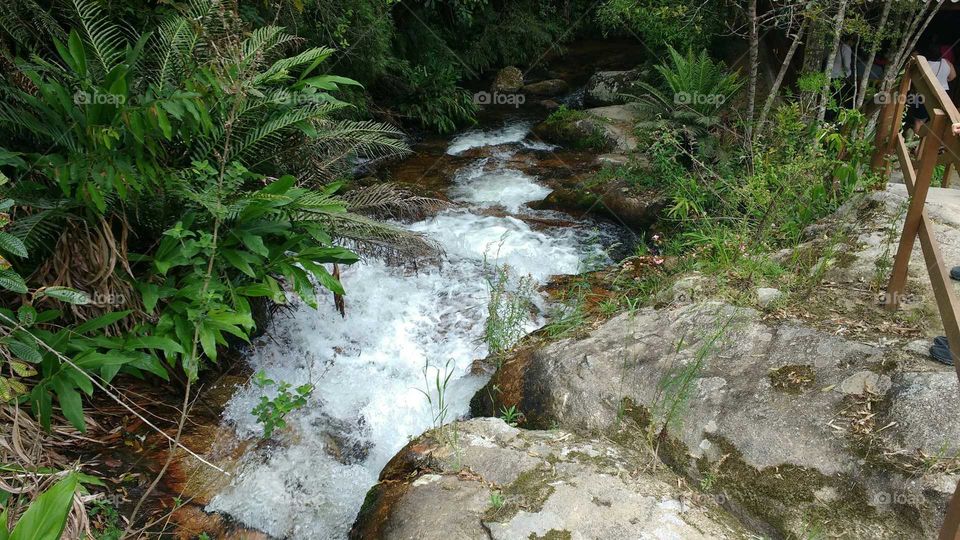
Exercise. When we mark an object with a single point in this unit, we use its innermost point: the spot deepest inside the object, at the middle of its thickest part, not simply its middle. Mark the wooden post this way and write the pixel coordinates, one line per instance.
(900, 106)
(934, 130)
(951, 525)
(881, 144)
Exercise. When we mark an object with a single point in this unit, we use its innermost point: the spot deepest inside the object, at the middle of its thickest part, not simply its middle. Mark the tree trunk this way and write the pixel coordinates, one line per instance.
(909, 42)
(874, 49)
(784, 68)
(754, 71)
(828, 65)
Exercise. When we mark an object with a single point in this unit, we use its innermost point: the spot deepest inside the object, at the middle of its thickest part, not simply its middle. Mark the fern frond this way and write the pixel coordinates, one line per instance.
(388, 200)
(271, 131)
(105, 39)
(316, 54)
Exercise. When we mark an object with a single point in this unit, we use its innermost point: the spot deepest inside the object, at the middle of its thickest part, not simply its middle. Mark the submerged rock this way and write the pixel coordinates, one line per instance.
(548, 88)
(483, 479)
(765, 412)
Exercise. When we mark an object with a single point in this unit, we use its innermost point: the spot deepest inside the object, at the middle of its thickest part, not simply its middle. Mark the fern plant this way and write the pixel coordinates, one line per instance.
(694, 90)
(149, 168)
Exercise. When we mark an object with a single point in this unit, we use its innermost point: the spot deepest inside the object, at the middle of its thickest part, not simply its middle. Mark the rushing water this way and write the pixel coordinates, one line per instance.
(368, 368)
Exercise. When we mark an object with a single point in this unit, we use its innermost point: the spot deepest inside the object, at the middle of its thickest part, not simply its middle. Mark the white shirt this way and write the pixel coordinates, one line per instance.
(941, 68)
(843, 63)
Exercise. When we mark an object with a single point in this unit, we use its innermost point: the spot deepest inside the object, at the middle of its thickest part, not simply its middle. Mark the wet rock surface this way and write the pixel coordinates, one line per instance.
(484, 479)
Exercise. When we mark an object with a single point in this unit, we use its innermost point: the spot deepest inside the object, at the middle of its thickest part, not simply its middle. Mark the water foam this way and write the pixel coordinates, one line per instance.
(368, 368)
(502, 186)
(476, 138)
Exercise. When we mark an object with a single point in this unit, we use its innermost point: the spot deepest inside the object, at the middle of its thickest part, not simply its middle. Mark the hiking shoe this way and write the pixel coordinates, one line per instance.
(955, 273)
(941, 351)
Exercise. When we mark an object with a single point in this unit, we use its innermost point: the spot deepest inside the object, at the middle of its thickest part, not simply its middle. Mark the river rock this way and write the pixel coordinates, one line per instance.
(766, 296)
(863, 382)
(508, 81)
(483, 479)
(548, 88)
(764, 416)
(609, 87)
(618, 122)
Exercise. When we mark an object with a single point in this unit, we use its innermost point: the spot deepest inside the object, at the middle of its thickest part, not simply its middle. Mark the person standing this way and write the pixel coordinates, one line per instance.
(943, 70)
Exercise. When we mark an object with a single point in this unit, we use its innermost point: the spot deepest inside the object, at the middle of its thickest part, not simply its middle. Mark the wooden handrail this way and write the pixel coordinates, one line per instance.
(936, 137)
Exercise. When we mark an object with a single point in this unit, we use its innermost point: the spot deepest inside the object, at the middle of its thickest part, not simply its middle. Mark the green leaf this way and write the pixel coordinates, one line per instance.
(164, 123)
(151, 364)
(208, 340)
(255, 244)
(75, 45)
(80, 379)
(66, 294)
(24, 352)
(71, 404)
(4, 534)
(12, 281)
(27, 315)
(164, 344)
(47, 515)
(237, 260)
(22, 369)
(100, 322)
(13, 245)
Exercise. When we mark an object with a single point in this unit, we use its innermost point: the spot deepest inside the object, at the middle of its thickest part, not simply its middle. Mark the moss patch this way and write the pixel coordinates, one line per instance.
(552, 534)
(527, 493)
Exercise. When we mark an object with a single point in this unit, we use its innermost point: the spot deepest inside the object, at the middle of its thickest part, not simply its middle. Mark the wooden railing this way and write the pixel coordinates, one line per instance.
(938, 146)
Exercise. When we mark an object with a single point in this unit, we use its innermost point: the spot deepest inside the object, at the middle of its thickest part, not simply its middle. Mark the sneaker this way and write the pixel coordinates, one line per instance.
(955, 273)
(941, 351)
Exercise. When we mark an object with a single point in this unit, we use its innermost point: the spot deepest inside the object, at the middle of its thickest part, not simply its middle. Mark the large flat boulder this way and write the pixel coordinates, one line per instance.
(795, 425)
(483, 479)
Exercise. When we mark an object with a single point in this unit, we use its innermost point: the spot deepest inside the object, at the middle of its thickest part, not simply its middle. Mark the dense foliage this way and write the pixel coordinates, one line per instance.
(142, 173)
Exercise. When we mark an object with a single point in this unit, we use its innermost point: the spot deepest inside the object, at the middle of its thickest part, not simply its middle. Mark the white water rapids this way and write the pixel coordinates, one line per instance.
(368, 368)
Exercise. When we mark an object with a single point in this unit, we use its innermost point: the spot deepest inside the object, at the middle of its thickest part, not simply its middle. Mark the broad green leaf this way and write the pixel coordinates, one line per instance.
(151, 364)
(13, 245)
(150, 293)
(22, 369)
(46, 517)
(254, 243)
(66, 294)
(208, 340)
(71, 404)
(12, 281)
(24, 352)
(237, 261)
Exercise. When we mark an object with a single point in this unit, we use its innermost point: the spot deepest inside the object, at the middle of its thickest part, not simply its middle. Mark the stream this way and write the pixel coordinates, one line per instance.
(373, 369)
